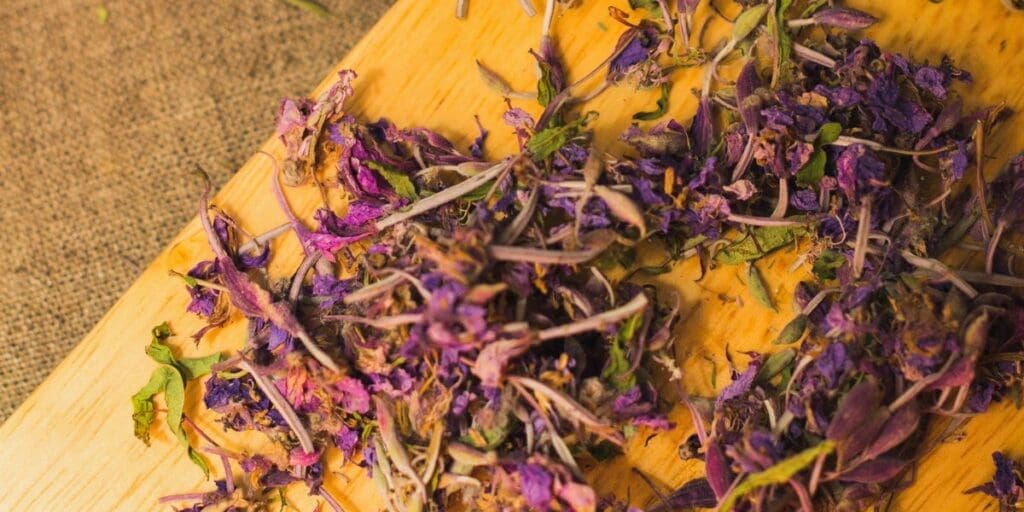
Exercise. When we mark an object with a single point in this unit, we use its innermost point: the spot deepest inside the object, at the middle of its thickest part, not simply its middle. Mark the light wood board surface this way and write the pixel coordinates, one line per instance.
(70, 446)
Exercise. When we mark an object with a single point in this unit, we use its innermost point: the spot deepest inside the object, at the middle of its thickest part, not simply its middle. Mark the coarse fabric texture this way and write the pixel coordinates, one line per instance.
(105, 107)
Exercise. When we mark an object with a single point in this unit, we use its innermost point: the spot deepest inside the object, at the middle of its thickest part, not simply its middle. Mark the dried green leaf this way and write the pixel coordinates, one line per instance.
(776, 364)
(545, 89)
(160, 353)
(309, 6)
(189, 367)
(811, 173)
(169, 378)
(662, 105)
(102, 14)
(161, 332)
(174, 396)
(757, 288)
(811, 7)
(545, 142)
(785, 43)
(759, 242)
(777, 474)
(826, 264)
(143, 410)
(747, 21)
(690, 243)
(793, 331)
(478, 193)
(398, 180)
(957, 231)
(198, 460)
(195, 367)
(828, 133)
(650, 5)
(617, 370)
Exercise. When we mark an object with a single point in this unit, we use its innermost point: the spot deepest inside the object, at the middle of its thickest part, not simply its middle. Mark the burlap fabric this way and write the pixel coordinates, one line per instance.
(99, 124)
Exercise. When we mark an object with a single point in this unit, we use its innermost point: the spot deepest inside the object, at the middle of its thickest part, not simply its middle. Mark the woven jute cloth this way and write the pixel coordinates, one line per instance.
(100, 123)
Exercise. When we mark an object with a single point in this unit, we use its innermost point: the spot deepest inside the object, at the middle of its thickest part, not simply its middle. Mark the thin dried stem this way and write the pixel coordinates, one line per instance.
(846, 140)
(300, 275)
(993, 246)
(331, 501)
(527, 6)
(570, 408)
(373, 290)
(920, 385)
(937, 267)
(385, 322)
(445, 196)
(201, 282)
(783, 203)
(281, 404)
(817, 300)
(991, 279)
(258, 241)
(813, 55)
(596, 322)
(549, 14)
(767, 221)
(860, 248)
(979, 184)
(543, 256)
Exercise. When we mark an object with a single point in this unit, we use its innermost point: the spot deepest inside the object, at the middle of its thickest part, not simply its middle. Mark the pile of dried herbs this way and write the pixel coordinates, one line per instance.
(467, 330)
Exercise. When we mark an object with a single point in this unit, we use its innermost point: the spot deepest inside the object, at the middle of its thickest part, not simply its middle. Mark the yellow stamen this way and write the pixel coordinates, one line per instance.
(539, 281)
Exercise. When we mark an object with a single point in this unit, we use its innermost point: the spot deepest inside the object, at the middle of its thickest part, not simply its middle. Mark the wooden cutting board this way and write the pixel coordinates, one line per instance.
(70, 446)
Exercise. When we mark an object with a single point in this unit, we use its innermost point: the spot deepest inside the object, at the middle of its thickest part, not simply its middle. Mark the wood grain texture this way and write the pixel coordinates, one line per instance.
(70, 446)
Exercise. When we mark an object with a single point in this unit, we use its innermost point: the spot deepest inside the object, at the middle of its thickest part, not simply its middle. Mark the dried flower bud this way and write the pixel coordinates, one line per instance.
(747, 99)
(469, 456)
(841, 17)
